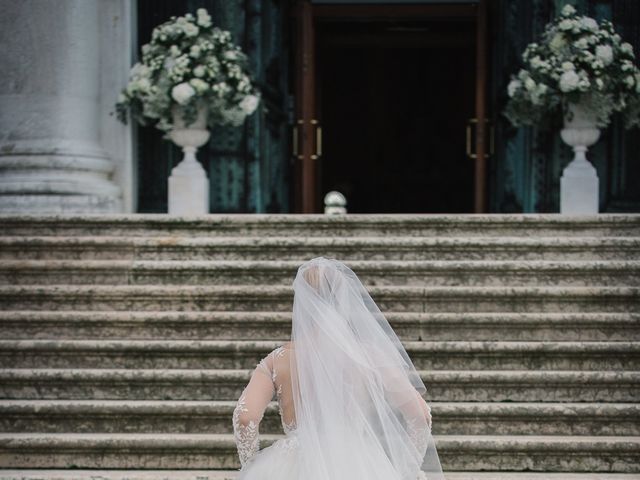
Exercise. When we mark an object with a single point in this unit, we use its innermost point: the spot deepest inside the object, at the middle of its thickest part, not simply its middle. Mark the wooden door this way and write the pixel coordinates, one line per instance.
(307, 127)
(482, 148)
(305, 123)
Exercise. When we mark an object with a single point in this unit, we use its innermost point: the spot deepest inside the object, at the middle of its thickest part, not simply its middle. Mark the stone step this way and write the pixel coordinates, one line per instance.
(195, 384)
(212, 325)
(238, 354)
(188, 248)
(386, 273)
(450, 418)
(78, 474)
(279, 298)
(318, 225)
(205, 451)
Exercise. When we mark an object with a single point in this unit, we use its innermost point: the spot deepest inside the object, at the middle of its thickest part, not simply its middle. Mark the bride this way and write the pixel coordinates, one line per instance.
(349, 397)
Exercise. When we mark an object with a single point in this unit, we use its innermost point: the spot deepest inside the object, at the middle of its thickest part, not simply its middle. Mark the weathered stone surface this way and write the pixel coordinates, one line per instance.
(227, 384)
(78, 474)
(452, 355)
(314, 225)
(287, 248)
(213, 325)
(450, 418)
(126, 340)
(269, 298)
(378, 272)
(202, 451)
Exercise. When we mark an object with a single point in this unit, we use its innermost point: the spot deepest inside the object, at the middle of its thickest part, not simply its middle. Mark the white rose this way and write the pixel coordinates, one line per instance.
(569, 81)
(557, 42)
(513, 87)
(599, 83)
(199, 85)
(249, 104)
(536, 62)
(204, 19)
(589, 23)
(604, 53)
(630, 81)
(566, 25)
(568, 66)
(581, 44)
(194, 51)
(190, 30)
(530, 84)
(230, 55)
(538, 93)
(174, 51)
(626, 48)
(182, 93)
(199, 71)
(144, 84)
(221, 88)
(568, 10)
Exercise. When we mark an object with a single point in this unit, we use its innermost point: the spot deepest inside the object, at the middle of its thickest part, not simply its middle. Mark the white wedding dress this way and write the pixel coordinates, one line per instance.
(349, 398)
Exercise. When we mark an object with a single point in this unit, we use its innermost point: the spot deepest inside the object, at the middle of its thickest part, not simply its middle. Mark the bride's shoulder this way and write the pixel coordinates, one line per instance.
(281, 350)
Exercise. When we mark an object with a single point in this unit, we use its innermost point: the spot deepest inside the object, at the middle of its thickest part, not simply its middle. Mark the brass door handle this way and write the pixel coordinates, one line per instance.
(469, 154)
(318, 153)
(318, 149)
(492, 138)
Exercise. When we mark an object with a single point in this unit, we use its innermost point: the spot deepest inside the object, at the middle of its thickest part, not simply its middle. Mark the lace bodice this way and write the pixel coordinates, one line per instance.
(269, 378)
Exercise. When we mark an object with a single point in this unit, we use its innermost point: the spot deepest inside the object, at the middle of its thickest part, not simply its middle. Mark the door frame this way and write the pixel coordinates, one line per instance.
(306, 130)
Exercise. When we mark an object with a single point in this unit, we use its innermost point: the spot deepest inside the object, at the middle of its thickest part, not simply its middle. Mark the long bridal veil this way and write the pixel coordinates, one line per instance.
(356, 393)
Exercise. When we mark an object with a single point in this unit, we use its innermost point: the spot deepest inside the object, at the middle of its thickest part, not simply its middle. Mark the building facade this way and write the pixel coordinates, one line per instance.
(382, 101)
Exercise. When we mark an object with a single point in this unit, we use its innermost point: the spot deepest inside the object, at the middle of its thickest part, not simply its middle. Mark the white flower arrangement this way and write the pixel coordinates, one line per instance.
(578, 60)
(192, 64)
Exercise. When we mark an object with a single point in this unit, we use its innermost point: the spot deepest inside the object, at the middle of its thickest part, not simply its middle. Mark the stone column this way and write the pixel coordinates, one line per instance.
(51, 158)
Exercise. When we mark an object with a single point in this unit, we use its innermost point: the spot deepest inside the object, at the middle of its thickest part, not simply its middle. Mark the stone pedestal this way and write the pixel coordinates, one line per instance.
(51, 157)
(579, 185)
(188, 182)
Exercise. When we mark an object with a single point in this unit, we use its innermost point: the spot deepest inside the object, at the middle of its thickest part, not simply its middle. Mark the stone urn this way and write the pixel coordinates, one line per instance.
(188, 182)
(579, 184)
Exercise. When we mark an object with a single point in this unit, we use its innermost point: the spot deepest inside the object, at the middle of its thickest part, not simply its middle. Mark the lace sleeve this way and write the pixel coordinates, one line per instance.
(415, 427)
(414, 408)
(250, 409)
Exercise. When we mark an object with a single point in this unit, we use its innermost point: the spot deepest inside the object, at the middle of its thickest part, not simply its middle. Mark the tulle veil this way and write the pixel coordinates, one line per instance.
(356, 393)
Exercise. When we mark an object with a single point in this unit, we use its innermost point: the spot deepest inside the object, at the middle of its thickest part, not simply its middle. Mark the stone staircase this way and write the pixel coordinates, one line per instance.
(126, 340)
